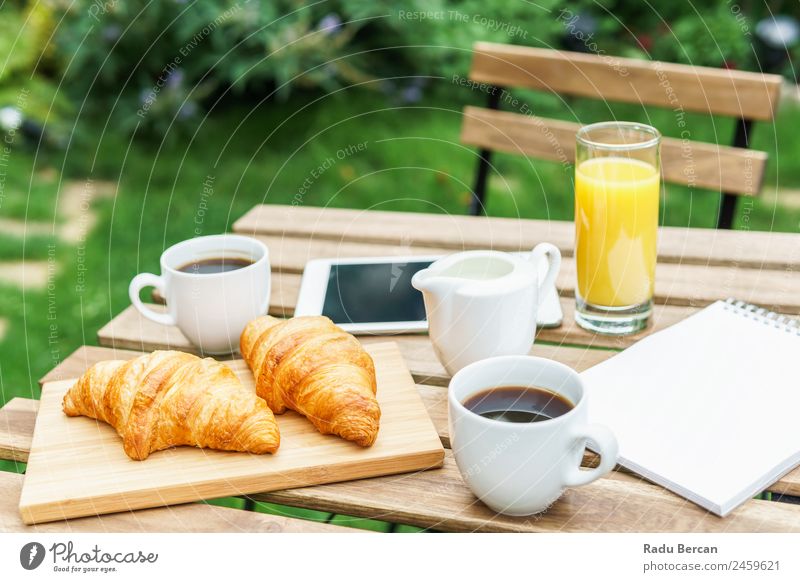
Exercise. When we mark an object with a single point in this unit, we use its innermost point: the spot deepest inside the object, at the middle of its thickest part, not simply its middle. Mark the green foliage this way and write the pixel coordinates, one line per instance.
(716, 33)
(154, 65)
(26, 62)
(717, 36)
(154, 62)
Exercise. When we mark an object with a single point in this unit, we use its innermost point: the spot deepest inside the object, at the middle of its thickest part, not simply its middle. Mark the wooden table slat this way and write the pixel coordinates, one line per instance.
(188, 518)
(697, 246)
(676, 283)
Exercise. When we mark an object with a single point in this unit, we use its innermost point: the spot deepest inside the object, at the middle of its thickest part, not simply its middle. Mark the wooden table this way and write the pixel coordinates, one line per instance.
(695, 267)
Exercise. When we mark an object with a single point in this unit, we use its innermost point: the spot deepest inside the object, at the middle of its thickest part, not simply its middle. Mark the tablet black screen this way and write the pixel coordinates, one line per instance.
(376, 292)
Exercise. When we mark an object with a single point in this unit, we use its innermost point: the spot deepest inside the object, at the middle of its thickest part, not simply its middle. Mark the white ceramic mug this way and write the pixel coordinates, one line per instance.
(522, 468)
(481, 304)
(211, 309)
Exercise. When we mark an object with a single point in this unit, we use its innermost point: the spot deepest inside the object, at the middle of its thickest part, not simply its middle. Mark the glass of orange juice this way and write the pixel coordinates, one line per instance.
(617, 186)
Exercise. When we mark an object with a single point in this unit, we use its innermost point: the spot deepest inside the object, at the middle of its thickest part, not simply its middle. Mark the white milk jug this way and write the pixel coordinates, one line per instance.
(483, 303)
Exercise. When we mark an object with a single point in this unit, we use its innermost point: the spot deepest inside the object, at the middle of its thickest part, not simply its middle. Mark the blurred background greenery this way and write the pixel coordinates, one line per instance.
(115, 113)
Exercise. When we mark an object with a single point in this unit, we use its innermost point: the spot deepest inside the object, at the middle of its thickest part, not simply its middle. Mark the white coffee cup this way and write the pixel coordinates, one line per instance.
(210, 309)
(522, 468)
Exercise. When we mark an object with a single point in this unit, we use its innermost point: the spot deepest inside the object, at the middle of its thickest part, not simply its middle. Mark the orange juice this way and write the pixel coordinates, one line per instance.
(616, 224)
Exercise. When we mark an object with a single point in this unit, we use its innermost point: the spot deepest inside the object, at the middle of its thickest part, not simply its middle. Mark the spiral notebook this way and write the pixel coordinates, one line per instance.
(707, 408)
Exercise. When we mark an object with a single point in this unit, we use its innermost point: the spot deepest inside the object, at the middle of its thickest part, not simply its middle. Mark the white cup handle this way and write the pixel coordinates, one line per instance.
(553, 256)
(604, 443)
(138, 283)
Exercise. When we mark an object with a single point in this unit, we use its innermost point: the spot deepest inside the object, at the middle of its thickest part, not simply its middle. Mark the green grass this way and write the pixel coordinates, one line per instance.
(295, 512)
(30, 189)
(12, 467)
(232, 502)
(400, 528)
(361, 523)
(32, 248)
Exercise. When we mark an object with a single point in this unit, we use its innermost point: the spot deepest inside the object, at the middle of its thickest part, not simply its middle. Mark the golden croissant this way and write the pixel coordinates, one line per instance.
(311, 366)
(166, 398)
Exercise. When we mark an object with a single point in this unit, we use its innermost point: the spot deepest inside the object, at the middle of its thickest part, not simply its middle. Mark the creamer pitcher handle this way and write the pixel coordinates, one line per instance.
(553, 256)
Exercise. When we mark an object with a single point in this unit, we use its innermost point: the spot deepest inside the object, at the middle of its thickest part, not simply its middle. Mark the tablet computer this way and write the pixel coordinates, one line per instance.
(373, 295)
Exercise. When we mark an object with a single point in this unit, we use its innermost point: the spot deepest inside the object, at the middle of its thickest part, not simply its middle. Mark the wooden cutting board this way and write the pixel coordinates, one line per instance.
(77, 466)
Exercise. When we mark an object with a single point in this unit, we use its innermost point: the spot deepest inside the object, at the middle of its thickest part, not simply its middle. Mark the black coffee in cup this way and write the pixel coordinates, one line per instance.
(518, 404)
(215, 265)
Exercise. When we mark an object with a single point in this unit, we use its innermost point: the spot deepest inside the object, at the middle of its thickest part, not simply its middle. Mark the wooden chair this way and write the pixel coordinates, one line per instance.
(733, 171)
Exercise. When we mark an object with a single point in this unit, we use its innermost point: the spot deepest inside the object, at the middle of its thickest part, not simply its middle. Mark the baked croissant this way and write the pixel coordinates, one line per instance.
(311, 366)
(166, 398)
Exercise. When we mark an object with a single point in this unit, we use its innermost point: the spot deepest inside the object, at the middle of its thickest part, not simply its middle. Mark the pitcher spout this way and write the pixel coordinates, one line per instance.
(428, 281)
(437, 293)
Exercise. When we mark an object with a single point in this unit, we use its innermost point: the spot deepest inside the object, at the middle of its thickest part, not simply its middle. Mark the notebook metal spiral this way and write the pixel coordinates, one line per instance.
(776, 320)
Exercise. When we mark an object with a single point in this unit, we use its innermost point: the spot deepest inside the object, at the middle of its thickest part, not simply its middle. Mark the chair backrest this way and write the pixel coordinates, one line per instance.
(745, 96)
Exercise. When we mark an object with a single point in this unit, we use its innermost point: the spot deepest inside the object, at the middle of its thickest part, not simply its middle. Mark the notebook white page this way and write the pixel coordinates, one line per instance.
(707, 408)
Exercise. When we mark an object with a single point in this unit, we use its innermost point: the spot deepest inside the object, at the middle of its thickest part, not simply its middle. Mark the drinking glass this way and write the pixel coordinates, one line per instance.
(617, 186)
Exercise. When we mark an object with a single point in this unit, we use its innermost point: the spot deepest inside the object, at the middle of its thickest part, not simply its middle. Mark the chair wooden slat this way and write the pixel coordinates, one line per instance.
(702, 89)
(702, 165)
(408, 230)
